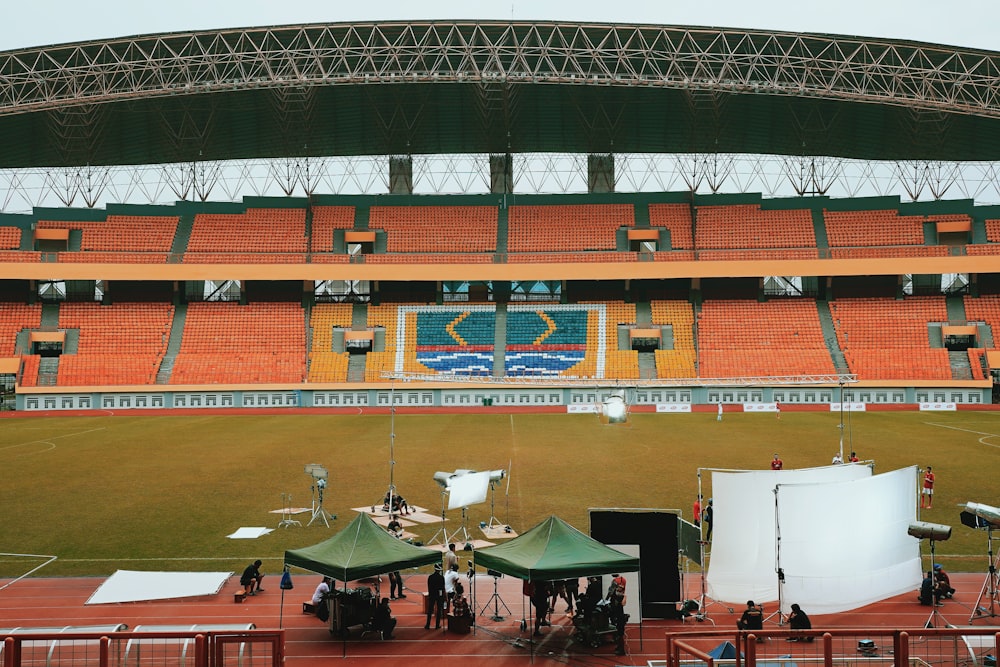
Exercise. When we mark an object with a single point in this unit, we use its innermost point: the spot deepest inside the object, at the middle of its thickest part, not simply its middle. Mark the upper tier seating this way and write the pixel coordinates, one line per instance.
(867, 228)
(120, 344)
(888, 339)
(273, 234)
(680, 361)
(325, 220)
(676, 218)
(325, 365)
(567, 228)
(120, 239)
(747, 227)
(257, 343)
(10, 238)
(739, 338)
(993, 230)
(429, 229)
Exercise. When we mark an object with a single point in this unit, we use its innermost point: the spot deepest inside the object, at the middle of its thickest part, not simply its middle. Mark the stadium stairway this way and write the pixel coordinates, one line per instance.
(182, 235)
(830, 336)
(503, 225)
(961, 369)
(955, 304)
(48, 371)
(643, 314)
(500, 338)
(819, 228)
(50, 316)
(173, 344)
(356, 362)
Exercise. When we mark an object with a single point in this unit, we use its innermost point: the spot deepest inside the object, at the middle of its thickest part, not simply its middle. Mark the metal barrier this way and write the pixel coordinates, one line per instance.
(939, 647)
(146, 646)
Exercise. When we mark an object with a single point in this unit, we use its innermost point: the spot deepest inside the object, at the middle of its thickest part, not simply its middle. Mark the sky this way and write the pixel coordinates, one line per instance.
(966, 23)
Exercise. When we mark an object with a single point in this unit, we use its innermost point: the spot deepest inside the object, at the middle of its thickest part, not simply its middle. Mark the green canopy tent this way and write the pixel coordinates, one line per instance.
(362, 549)
(554, 550)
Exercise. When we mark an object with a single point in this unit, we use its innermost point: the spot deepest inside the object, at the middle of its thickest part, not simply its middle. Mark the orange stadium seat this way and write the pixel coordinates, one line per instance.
(239, 344)
(786, 339)
(888, 339)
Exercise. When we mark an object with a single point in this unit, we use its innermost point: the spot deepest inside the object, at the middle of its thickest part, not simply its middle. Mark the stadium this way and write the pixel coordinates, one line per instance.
(493, 301)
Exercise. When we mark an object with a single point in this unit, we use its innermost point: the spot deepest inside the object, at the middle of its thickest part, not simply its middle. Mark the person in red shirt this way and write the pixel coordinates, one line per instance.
(928, 492)
(696, 511)
(853, 458)
(776, 463)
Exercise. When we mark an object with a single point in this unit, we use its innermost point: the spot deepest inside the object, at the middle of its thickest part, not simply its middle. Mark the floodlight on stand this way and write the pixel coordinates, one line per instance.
(978, 515)
(930, 531)
(935, 532)
(987, 513)
(320, 475)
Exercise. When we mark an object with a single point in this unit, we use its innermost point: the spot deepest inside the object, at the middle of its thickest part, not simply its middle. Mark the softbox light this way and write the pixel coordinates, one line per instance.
(469, 489)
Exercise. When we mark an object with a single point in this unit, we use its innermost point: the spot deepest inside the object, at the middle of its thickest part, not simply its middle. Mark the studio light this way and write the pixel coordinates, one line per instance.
(987, 513)
(930, 531)
(446, 479)
(316, 471)
(497, 475)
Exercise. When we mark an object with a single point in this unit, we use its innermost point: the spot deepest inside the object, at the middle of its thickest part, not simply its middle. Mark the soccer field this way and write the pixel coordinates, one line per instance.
(162, 492)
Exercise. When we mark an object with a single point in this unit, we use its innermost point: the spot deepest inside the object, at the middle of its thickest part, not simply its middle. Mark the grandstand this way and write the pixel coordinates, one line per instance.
(328, 299)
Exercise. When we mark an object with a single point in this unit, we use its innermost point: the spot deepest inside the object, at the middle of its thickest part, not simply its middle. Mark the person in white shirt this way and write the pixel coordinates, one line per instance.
(451, 577)
(321, 591)
(837, 459)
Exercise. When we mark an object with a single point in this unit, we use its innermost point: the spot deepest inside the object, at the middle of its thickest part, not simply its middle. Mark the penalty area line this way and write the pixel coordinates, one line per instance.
(982, 440)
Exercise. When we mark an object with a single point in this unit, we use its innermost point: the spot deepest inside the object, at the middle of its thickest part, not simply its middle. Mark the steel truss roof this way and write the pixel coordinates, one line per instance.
(448, 87)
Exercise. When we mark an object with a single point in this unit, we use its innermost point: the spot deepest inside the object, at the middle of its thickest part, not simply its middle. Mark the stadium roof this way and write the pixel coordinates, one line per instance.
(493, 87)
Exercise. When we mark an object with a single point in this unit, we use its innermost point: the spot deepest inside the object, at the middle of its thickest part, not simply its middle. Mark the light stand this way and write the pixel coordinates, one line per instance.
(443, 532)
(495, 599)
(704, 601)
(932, 532)
(978, 515)
(990, 584)
(462, 530)
(319, 475)
(286, 512)
(777, 562)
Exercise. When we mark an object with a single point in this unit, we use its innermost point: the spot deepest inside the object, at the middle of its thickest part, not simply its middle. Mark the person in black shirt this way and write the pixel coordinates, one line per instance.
(435, 597)
(752, 618)
(799, 620)
(251, 578)
(383, 620)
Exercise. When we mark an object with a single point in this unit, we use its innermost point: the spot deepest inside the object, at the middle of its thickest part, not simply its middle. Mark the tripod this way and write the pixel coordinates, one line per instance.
(317, 504)
(496, 600)
(462, 530)
(990, 585)
(444, 531)
(286, 512)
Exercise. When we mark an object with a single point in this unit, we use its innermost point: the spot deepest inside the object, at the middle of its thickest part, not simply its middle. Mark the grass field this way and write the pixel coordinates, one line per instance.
(151, 492)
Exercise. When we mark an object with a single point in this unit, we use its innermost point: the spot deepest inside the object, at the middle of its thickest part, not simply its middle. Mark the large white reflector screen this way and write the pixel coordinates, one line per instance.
(844, 544)
(743, 565)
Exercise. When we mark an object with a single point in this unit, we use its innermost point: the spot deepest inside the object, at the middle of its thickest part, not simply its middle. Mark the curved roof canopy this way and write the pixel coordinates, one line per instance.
(493, 87)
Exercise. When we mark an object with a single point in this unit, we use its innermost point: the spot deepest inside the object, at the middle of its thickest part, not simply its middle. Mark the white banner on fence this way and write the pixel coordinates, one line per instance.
(938, 406)
(584, 408)
(760, 407)
(673, 407)
(848, 407)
